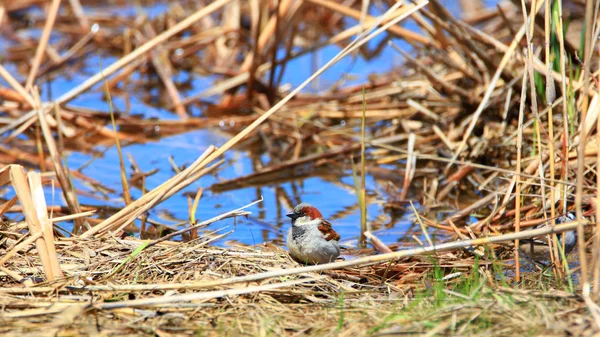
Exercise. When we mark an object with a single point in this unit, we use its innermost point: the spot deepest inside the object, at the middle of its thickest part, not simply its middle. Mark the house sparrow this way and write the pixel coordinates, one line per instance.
(311, 239)
(537, 247)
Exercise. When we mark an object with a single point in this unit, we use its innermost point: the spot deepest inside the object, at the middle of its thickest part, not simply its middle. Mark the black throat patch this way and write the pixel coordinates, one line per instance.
(298, 232)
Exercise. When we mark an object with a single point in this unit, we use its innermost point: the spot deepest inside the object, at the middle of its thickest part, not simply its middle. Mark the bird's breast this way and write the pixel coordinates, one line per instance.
(299, 232)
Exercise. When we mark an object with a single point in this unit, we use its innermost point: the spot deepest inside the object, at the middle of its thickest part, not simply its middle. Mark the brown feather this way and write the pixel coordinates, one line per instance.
(312, 212)
(328, 232)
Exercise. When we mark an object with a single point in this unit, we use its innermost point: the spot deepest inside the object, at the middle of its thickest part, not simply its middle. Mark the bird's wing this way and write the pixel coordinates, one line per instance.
(328, 232)
(537, 240)
(543, 239)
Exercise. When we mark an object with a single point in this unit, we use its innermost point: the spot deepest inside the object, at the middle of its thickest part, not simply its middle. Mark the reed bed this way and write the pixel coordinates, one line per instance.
(192, 288)
(492, 116)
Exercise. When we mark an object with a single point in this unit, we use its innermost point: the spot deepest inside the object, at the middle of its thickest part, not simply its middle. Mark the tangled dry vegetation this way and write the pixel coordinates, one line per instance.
(462, 126)
(191, 289)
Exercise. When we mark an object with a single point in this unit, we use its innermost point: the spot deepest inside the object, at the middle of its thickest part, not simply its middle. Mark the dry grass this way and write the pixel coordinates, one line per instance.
(397, 297)
(473, 122)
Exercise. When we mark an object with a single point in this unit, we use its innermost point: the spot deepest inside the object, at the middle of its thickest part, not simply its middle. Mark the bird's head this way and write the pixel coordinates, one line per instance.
(304, 213)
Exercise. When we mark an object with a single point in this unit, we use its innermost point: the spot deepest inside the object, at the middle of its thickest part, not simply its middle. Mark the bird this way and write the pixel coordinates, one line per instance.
(311, 239)
(537, 247)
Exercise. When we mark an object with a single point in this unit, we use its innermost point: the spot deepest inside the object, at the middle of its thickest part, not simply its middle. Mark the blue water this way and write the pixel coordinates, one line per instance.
(266, 223)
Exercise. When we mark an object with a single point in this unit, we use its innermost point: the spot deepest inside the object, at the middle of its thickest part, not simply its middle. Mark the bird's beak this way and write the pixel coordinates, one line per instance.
(291, 215)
